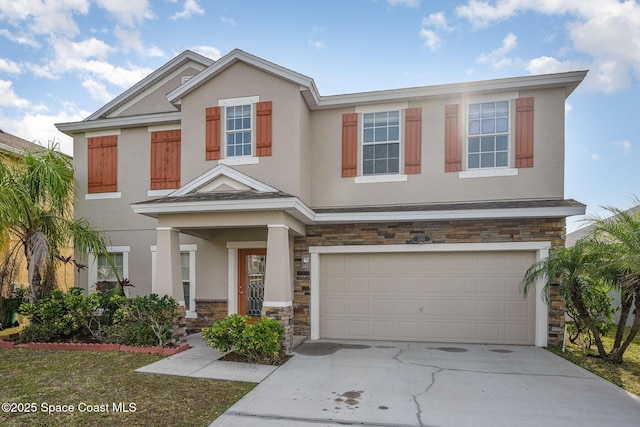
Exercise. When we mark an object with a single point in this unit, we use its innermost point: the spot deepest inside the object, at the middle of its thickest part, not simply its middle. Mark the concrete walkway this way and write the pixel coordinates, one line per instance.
(332, 383)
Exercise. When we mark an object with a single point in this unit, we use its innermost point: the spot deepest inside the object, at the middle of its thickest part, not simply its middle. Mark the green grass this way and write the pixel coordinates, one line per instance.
(104, 378)
(625, 375)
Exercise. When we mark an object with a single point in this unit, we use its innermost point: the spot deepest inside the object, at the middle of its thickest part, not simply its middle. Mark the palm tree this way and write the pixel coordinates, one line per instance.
(617, 241)
(574, 269)
(35, 210)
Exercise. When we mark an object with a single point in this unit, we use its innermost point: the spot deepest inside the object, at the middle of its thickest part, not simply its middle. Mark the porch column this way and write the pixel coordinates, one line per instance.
(168, 266)
(278, 286)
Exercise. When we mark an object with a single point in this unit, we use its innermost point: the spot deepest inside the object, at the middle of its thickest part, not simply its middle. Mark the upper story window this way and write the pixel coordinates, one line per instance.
(488, 135)
(238, 130)
(381, 143)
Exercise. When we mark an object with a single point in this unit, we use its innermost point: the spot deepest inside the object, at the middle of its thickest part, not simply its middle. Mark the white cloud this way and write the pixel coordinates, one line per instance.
(407, 3)
(436, 20)
(607, 31)
(208, 51)
(497, 58)
(595, 156)
(228, 21)
(191, 7)
(316, 44)
(97, 90)
(41, 128)
(48, 17)
(27, 39)
(9, 97)
(9, 67)
(127, 12)
(431, 39)
(625, 146)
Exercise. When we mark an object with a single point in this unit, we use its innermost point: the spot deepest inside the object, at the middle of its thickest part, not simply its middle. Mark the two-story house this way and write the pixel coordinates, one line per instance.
(405, 214)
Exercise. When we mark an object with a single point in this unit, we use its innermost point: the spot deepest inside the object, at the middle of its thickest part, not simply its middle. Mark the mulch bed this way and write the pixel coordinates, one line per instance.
(276, 361)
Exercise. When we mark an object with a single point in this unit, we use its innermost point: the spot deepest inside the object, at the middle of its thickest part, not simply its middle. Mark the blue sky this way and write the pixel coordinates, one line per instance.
(60, 60)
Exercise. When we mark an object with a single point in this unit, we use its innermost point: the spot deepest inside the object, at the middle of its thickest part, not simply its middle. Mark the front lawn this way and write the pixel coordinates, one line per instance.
(625, 375)
(100, 386)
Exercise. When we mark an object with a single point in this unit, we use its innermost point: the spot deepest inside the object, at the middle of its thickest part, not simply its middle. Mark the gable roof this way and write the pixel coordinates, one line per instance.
(153, 78)
(98, 120)
(14, 144)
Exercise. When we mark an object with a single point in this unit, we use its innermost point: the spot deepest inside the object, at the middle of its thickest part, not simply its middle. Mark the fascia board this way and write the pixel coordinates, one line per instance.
(218, 206)
(119, 122)
(223, 170)
(444, 215)
(230, 59)
(151, 79)
(569, 80)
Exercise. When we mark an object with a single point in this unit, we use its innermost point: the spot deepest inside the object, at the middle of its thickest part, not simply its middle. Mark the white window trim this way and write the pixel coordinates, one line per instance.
(487, 172)
(99, 133)
(540, 248)
(100, 196)
(479, 100)
(240, 160)
(400, 108)
(93, 266)
(162, 128)
(191, 314)
(232, 268)
(371, 179)
(159, 193)
(234, 102)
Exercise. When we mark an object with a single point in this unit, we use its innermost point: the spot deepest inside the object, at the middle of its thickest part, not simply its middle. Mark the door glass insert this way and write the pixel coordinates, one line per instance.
(254, 285)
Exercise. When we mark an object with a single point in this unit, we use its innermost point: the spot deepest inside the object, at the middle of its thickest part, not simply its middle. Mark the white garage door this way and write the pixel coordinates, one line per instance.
(471, 297)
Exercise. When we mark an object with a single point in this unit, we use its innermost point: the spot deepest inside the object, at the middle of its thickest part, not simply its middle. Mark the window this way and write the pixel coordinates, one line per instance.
(238, 130)
(381, 143)
(101, 274)
(186, 282)
(488, 135)
(107, 278)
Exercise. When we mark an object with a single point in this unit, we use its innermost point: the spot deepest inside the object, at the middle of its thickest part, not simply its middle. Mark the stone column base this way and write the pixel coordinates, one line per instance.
(285, 316)
(179, 327)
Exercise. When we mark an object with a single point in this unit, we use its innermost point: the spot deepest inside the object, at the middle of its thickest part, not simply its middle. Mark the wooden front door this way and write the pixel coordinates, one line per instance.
(251, 268)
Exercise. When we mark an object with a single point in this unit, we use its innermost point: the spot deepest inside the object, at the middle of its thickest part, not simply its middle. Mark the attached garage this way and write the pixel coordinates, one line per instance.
(461, 296)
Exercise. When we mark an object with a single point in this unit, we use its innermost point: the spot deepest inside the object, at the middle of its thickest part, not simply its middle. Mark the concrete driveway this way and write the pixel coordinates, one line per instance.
(331, 383)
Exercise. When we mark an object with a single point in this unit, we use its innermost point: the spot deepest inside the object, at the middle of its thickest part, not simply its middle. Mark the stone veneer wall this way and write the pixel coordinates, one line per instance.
(471, 231)
(179, 327)
(208, 311)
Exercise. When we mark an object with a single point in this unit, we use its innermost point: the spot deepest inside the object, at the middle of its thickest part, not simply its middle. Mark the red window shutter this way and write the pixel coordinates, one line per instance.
(349, 144)
(263, 128)
(452, 139)
(213, 133)
(165, 159)
(412, 140)
(102, 163)
(524, 132)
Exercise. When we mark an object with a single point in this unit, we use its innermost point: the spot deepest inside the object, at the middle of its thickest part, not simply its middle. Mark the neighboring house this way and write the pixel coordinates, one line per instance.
(578, 234)
(11, 147)
(404, 214)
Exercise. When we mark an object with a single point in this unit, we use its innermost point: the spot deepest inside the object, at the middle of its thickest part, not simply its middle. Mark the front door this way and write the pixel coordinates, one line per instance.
(251, 267)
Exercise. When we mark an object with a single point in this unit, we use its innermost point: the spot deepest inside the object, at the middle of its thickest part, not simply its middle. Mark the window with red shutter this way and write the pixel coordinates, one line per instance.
(452, 139)
(412, 140)
(165, 159)
(212, 136)
(263, 128)
(524, 132)
(102, 162)
(349, 144)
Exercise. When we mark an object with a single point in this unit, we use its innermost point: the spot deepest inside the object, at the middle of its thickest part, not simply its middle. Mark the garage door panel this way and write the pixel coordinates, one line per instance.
(447, 297)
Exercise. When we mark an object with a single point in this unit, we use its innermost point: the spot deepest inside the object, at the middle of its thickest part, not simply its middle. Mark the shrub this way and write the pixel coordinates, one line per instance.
(146, 320)
(63, 315)
(260, 341)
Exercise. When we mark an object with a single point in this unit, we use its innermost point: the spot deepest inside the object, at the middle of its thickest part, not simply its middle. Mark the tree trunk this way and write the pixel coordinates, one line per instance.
(616, 354)
(591, 324)
(626, 299)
